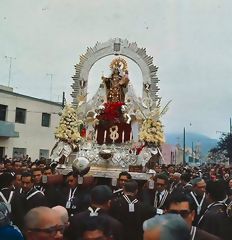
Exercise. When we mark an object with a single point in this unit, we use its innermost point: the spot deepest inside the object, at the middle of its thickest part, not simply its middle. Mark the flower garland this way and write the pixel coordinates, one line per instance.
(68, 129)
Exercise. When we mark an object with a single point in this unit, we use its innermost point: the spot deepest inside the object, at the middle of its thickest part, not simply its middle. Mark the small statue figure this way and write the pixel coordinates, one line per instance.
(118, 81)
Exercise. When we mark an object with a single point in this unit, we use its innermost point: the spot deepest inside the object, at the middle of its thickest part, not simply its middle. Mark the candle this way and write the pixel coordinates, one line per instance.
(123, 136)
(96, 132)
(105, 136)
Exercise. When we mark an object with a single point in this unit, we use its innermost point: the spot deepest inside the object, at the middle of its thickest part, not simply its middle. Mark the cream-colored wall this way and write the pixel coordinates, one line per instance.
(32, 135)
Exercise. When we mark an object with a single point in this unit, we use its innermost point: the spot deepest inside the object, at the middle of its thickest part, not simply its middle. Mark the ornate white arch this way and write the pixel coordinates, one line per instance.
(116, 46)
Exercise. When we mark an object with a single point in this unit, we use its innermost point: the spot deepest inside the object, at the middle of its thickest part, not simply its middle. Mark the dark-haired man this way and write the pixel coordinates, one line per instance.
(6, 189)
(47, 171)
(96, 228)
(17, 164)
(215, 219)
(2, 167)
(182, 204)
(76, 199)
(158, 199)
(122, 178)
(26, 198)
(18, 181)
(131, 212)
(37, 177)
(199, 197)
(101, 196)
(34, 197)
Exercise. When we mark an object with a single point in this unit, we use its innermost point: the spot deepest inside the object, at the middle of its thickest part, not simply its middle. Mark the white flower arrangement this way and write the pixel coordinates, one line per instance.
(68, 129)
(152, 132)
(152, 128)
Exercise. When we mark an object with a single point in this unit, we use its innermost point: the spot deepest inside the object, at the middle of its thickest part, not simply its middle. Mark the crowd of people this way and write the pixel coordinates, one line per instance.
(176, 203)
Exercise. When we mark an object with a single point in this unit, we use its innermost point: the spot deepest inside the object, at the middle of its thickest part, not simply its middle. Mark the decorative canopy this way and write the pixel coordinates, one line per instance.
(122, 47)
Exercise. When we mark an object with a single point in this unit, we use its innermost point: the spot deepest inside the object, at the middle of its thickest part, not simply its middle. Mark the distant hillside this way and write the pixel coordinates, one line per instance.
(205, 142)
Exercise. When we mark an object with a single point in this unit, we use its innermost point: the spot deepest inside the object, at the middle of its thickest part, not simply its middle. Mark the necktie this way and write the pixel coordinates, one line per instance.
(158, 198)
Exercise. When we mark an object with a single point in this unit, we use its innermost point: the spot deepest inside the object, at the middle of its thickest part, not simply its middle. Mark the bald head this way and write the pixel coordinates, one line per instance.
(62, 213)
(42, 223)
(41, 216)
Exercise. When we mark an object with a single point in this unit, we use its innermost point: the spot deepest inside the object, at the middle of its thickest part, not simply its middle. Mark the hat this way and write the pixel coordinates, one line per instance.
(4, 215)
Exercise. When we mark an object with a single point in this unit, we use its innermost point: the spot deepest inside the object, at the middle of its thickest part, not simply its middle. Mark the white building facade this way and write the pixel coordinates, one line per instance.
(27, 125)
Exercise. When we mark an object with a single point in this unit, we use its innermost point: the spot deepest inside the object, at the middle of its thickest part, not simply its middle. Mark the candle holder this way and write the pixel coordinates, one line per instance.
(106, 154)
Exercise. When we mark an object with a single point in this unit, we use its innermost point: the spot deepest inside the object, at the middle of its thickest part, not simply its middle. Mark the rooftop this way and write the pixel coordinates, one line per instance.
(10, 91)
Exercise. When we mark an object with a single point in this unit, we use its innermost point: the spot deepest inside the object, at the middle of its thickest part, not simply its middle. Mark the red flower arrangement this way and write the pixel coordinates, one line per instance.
(112, 112)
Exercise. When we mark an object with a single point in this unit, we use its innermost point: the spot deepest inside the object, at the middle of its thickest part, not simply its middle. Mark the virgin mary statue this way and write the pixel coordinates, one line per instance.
(116, 84)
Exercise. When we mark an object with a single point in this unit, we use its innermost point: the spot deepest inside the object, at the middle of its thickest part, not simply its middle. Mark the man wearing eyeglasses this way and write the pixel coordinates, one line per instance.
(42, 223)
(157, 195)
(161, 193)
(122, 178)
(181, 204)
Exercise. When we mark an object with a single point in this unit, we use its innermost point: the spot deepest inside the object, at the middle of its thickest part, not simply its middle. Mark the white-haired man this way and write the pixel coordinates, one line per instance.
(42, 223)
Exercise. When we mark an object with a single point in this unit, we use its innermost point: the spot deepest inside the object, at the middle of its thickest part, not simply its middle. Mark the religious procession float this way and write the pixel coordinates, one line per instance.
(115, 130)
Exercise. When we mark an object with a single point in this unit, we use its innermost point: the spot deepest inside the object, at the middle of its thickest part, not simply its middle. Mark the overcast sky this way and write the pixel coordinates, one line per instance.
(190, 40)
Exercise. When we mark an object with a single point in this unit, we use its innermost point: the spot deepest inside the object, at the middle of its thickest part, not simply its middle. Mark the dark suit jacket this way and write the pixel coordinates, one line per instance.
(21, 205)
(35, 201)
(203, 208)
(132, 221)
(203, 235)
(54, 195)
(80, 202)
(149, 198)
(216, 221)
(73, 232)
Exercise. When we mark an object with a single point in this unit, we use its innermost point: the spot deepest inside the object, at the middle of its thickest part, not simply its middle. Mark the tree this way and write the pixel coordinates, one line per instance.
(225, 145)
(223, 151)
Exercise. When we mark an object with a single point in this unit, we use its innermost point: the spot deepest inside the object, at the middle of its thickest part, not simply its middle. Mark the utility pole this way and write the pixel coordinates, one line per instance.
(10, 58)
(193, 153)
(51, 76)
(63, 100)
(184, 162)
(230, 127)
